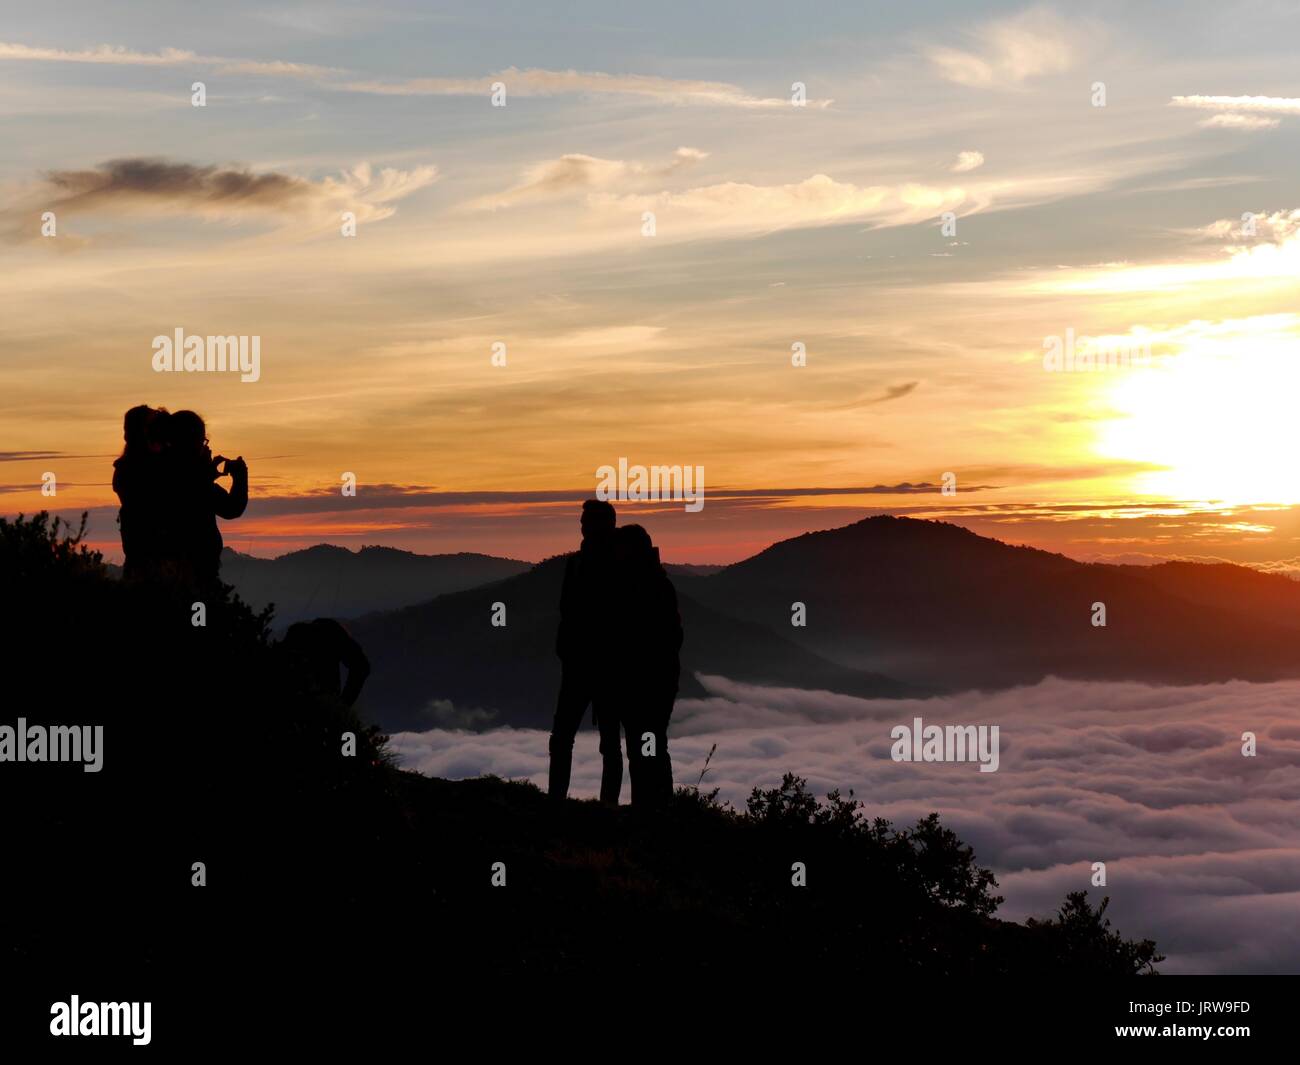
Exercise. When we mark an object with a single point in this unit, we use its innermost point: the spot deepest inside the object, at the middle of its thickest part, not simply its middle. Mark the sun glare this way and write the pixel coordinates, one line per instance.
(1221, 414)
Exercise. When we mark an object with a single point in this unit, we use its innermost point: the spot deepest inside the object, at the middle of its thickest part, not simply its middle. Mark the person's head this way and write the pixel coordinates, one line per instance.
(187, 435)
(633, 545)
(157, 433)
(140, 429)
(135, 426)
(598, 520)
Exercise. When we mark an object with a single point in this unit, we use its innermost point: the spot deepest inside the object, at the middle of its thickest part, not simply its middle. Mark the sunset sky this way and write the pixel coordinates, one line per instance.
(775, 225)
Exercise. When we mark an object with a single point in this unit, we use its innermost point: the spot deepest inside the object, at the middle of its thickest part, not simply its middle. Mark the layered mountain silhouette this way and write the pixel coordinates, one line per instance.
(329, 581)
(933, 603)
(894, 607)
(444, 663)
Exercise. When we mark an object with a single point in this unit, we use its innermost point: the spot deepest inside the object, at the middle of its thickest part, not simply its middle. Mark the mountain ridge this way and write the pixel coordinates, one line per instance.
(443, 662)
(931, 602)
(326, 580)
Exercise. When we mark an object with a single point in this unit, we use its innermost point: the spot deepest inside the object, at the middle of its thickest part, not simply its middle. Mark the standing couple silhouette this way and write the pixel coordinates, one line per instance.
(166, 481)
(619, 641)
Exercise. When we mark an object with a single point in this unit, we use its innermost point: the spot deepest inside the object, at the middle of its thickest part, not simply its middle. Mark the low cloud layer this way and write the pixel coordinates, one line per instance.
(1202, 845)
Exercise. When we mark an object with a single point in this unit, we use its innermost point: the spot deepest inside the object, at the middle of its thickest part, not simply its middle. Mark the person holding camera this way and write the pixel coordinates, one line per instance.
(195, 500)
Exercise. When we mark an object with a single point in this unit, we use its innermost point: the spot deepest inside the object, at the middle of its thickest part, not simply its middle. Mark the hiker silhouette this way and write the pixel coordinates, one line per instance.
(585, 647)
(137, 480)
(616, 605)
(649, 627)
(166, 482)
(316, 650)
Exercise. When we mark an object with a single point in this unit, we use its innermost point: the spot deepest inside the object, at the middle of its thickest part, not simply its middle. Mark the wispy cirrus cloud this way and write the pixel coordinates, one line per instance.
(593, 200)
(530, 82)
(1007, 52)
(29, 456)
(734, 206)
(1275, 227)
(1266, 257)
(578, 173)
(535, 82)
(1236, 121)
(116, 55)
(1283, 105)
(1245, 113)
(890, 393)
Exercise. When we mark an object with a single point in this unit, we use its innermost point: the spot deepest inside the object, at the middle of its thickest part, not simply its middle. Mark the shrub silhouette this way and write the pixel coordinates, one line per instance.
(214, 752)
(1081, 936)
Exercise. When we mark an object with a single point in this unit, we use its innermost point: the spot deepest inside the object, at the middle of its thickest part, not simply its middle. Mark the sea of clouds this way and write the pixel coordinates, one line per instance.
(1201, 844)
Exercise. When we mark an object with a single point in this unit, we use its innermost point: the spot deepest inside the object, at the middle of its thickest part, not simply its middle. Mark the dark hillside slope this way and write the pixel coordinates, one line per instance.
(930, 602)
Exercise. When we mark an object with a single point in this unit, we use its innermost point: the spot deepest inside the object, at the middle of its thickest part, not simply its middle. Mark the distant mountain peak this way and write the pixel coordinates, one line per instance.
(319, 551)
(883, 538)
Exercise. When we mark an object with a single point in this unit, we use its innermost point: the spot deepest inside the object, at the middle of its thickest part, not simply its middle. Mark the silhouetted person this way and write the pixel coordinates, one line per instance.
(193, 500)
(138, 481)
(317, 650)
(586, 648)
(649, 633)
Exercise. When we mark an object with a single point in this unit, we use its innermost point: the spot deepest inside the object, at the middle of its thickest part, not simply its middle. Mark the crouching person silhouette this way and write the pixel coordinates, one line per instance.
(649, 628)
(585, 647)
(317, 650)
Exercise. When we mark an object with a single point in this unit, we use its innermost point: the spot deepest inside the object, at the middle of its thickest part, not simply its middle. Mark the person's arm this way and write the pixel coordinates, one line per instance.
(676, 635)
(233, 503)
(672, 615)
(562, 633)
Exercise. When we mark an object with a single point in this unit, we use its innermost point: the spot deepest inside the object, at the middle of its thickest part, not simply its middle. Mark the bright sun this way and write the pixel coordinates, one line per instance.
(1222, 413)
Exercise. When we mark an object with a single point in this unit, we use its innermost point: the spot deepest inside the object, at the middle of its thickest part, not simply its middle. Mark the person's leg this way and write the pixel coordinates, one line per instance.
(640, 765)
(611, 751)
(635, 763)
(659, 769)
(664, 777)
(569, 708)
